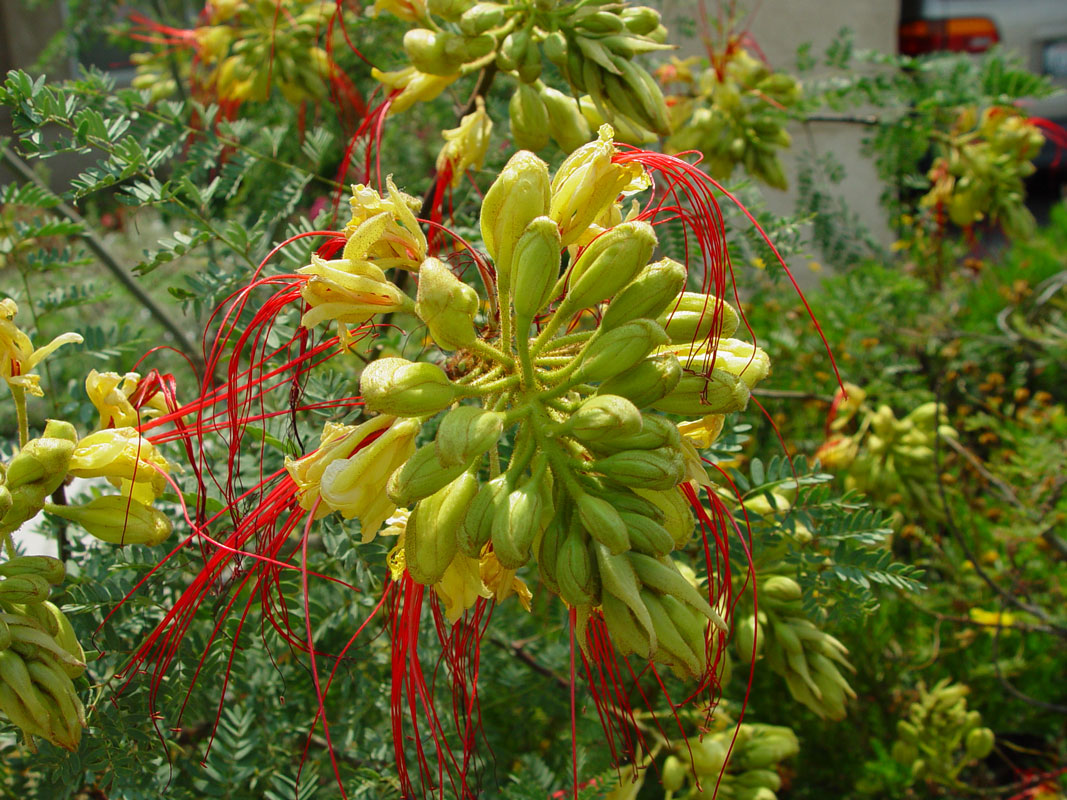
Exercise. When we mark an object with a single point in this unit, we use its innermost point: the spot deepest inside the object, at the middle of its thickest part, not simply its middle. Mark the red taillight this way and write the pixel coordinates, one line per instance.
(957, 34)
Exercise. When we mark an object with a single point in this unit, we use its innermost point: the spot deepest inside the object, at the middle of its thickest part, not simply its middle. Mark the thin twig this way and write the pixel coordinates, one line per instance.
(94, 243)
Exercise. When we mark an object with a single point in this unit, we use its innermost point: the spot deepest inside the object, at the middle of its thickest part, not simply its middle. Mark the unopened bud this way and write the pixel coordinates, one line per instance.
(647, 295)
(481, 17)
(117, 520)
(662, 468)
(528, 118)
(656, 431)
(649, 380)
(604, 416)
(603, 522)
(477, 525)
(447, 305)
(24, 589)
(430, 538)
(979, 743)
(535, 269)
(43, 462)
(718, 393)
(694, 317)
(610, 262)
(421, 476)
(617, 350)
(565, 121)
(465, 433)
(517, 197)
(780, 587)
(405, 388)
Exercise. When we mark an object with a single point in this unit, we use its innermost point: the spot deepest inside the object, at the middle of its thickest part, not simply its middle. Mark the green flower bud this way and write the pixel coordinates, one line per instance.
(603, 523)
(979, 743)
(404, 388)
(6, 501)
(678, 516)
(528, 118)
(780, 587)
(421, 476)
(576, 569)
(447, 305)
(477, 527)
(49, 568)
(117, 520)
(517, 197)
(565, 121)
(673, 774)
(648, 381)
(534, 269)
(481, 17)
(649, 294)
(430, 536)
(516, 525)
(610, 353)
(60, 429)
(43, 462)
(656, 431)
(604, 416)
(694, 316)
(610, 262)
(27, 588)
(662, 468)
(465, 433)
(646, 535)
(695, 395)
(640, 20)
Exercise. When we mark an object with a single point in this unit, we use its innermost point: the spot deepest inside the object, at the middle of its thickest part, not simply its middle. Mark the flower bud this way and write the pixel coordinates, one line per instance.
(430, 538)
(465, 433)
(6, 501)
(649, 380)
(696, 395)
(405, 388)
(60, 429)
(780, 587)
(47, 567)
(576, 569)
(429, 52)
(609, 353)
(421, 476)
(979, 743)
(517, 197)
(117, 520)
(603, 522)
(528, 118)
(610, 262)
(535, 269)
(694, 317)
(27, 588)
(678, 516)
(481, 17)
(477, 526)
(43, 462)
(647, 295)
(565, 121)
(656, 431)
(587, 182)
(604, 416)
(662, 468)
(516, 524)
(447, 305)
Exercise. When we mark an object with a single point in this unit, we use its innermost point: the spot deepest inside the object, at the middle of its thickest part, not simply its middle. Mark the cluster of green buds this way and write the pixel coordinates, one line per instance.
(809, 659)
(750, 760)
(734, 112)
(552, 445)
(980, 174)
(235, 42)
(891, 460)
(39, 654)
(940, 737)
(592, 43)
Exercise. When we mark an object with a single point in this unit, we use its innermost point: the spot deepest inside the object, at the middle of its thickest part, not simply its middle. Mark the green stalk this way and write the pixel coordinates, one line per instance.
(18, 394)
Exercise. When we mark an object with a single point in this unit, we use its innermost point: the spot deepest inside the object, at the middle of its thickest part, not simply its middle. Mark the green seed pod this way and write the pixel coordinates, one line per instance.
(430, 538)
(603, 522)
(517, 197)
(420, 477)
(694, 316)
(662, 469)
(673, 774)
(647, 381)
(615, 351)
(534, 269)
(648, 295)
(565, 121)
(405, 388)
(447, 305)
(528, 118)
(610, 262)
(604, 416)
(696, 396)
(477, 526)
(465, 433)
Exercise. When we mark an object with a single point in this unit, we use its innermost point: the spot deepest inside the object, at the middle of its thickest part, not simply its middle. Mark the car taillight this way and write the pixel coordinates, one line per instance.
(957, 34)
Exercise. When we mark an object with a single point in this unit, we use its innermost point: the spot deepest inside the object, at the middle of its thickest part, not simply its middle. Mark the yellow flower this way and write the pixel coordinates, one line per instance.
(17, 356)
(126, 459)
(407, 10)
(111, 392)
(353, 482)
(587, 183)
(417, 86)
(465, 146)
(384, 230)
(742, 360)
(461, 586)
(502, 583)
(992, 619)
(704, 431)
(350, 292)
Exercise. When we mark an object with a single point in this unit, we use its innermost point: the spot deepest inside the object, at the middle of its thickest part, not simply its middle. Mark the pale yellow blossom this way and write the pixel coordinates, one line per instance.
(18, 357)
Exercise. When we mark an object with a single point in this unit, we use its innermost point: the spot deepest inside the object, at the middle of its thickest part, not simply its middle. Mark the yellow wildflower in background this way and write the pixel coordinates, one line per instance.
(466, 146)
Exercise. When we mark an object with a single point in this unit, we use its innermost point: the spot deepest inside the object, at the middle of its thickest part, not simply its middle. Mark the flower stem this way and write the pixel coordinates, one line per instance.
(18, 394)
